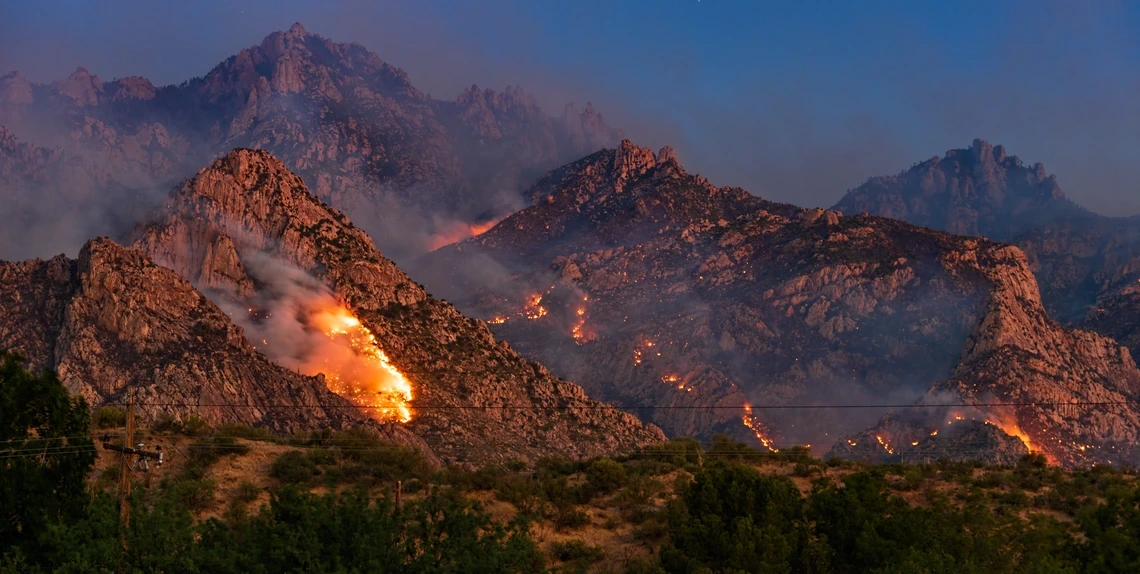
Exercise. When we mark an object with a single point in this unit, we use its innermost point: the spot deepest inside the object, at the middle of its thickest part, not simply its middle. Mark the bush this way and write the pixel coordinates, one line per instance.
(204, 453)
(635, 500)
(575, 551)
(605, 475)
(567, 516)
(295, 467)
(194, 494)
(234, 430)
(109, 417)
(247, 491)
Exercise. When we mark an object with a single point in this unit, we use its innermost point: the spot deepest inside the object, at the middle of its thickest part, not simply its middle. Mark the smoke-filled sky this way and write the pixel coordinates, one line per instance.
(795, 101)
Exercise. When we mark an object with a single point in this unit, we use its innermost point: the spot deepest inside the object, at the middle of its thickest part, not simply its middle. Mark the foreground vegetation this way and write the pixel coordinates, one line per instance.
(233, 499)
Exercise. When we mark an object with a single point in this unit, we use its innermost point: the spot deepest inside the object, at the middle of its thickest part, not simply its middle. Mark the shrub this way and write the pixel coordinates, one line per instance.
(109, 417)
(247, 491)
(243, 431)
(194, 494)
(605, 475)
(204, 453)
(195, 426)
(295, 467)
(576, 550)
(567, 516)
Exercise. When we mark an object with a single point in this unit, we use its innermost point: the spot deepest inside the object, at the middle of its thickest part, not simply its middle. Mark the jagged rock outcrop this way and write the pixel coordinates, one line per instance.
(659, 291)
(475, 399)
(112, 322)
(976, 191)
(372, 145)
(1085, 263)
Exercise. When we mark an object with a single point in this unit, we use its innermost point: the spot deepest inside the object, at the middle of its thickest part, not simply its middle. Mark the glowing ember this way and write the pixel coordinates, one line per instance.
(934, 432)
(637, 356)
(758, 427)
(579, 331)
(357, 369)
(458, 231)
(886, 445)
(534, 309)
(498, 320)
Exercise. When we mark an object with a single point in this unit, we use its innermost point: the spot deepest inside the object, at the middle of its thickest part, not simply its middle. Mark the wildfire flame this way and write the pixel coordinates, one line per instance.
(357, 369)
(534, 309)
(1007, 422)
(579, 331)
(885, 444)
(458, 231)
(758, 427)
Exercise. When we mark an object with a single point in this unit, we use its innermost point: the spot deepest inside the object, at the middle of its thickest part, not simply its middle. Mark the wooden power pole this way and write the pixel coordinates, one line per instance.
(125, 465)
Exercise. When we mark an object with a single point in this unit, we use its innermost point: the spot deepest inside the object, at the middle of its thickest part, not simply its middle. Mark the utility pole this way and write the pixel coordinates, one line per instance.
(124, 465)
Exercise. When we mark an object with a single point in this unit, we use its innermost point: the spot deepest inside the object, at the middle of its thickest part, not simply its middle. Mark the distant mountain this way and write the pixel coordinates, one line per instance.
(1085, 263)
(683, 301)
(396, 160)
(248, 232)
(976, 191)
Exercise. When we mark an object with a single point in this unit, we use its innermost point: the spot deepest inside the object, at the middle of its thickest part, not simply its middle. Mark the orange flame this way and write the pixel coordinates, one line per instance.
(357, 369)
(758, 428)
(458, 231)
(533, 309)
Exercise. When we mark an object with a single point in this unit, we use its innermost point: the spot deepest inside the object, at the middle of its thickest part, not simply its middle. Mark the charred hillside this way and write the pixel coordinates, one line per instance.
(664, 293)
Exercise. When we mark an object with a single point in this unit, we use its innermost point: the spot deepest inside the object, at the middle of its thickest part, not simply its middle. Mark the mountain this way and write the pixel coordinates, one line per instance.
(1085, 263)
(297, 273)
(112, 322)
(683, 301)
(372, 145)
(976, 191)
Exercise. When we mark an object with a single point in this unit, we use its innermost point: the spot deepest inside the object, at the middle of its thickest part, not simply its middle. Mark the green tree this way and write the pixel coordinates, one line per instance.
(45, 454)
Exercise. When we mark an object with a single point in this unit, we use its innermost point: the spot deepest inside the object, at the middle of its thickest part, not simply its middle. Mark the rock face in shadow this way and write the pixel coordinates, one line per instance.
(1088, 265)
(475, 399)
(398, 161)
(976, 191)
(684, 301)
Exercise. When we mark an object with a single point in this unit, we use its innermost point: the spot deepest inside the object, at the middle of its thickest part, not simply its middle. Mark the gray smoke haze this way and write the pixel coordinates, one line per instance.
(800, 118)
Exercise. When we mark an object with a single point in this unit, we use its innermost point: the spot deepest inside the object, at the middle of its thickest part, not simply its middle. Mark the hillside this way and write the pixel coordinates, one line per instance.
(683, 301)
(1085, 263)
(248, 231)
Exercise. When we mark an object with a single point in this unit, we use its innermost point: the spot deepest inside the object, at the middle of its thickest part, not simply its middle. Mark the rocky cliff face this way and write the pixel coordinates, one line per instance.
(1086, 264)
(370, 144)
(666, 294)
(474, 398)
(112, 322)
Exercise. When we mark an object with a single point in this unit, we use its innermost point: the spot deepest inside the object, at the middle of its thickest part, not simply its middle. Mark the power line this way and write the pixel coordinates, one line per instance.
(414, 406)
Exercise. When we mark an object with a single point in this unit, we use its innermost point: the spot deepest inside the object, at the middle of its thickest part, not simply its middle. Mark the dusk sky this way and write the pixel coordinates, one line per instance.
(793, 101)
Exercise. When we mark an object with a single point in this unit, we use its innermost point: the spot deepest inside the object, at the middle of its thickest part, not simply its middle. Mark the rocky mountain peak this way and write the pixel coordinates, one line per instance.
(82, 87)
(632, 161)
(15, 89)
(980, 190)
(297, 30)
(131, 88)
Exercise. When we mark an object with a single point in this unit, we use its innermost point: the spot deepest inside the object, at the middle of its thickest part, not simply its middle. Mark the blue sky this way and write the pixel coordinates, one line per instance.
(795, 101)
